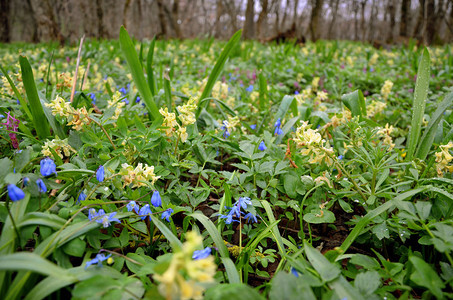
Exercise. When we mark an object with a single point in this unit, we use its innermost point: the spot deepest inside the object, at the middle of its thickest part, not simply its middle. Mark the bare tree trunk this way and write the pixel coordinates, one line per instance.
(231, 9)
(100, 19)
(334, 16)
(47, 28)
(362, 12)
(219, 14)
(295, 17)
(431, 29)
(355, 8)
(285, 14)
(391, 9)
(316, 11)
(371, 29)
(405, 8)
(262, 18)
(175, 18)
(418, 29)
(163, 25)
(4, 21)
(249, 25)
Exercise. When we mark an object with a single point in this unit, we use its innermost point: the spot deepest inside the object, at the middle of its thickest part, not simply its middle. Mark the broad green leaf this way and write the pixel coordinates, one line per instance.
(39, 119)
(318, 217)
(137, 72)
(288, 286)
(418, 107)
(355, 102)
(325, 269)
(232, 291)
(367, 282)
(425, 276)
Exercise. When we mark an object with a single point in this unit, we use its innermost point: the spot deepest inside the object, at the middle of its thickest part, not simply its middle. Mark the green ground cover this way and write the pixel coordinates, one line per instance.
(206, 169)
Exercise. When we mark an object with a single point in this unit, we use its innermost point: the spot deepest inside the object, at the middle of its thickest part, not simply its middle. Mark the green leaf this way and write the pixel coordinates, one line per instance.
(367, 282)
(149, 68)
(264, 96)
(174, 241)
(288, 286)
(76, 248)
(277, 237)
(428, 135)
(137, 72)
(291, 182)
(213, 232)
(355, 102)
(326, 269)
(232, 291)
(230, 268)
(39, 119)
(318, 217)
(425, 276)
(22, 101)
(215, 73)
(418, 107)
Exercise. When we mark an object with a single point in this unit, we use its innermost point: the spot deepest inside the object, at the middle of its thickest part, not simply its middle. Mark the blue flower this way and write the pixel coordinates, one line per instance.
(123, 91)
(41, 186)
(98, 260)
(200, 254)
(262, 146)
(144, 211)
(278, 130)
(251, 218)
(226, 133)
(92, 213)
(48, 167)
(137, 100)
(93, 98)
(294, 272)
(106, 219)
(100, 174)
(15, 193)
(250, 88)
(340, 156)
(243, 201)
(253, 126)
(26, 181)
(132, 206)
(167, 214)
(156, 200)
(81, 197)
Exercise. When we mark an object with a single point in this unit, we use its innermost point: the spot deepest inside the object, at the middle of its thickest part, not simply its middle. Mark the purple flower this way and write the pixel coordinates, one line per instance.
(156, 200)
(98, 260)
(262, 146)
(132, 206)
(12, 124)
(144, 211)
(48, 167)
(106, 219)
(200, 254)
(167, 214)
(15, 193)
(100, 174)
(41, 186)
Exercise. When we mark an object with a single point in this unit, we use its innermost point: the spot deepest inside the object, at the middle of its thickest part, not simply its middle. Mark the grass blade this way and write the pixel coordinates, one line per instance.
(149, 68)
(418, 107)
(275, 232)
(17, 94)
(428, 135)
(39, 118)
(137, 72)
(215, 73)
(213, 232)
(174, 241)
(263, 90)
(230, 268)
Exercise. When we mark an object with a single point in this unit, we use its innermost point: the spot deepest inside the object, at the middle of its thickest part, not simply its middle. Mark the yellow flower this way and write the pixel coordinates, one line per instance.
(169, 120)
(386, 88)
(60, 107)
(138, 176)
(186, 112)
(183, 134)
(59, 146)
(315, 83)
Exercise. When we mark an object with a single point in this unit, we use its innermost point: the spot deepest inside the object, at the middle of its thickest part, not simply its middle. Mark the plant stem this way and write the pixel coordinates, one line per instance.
(12, 220)
(105, 132)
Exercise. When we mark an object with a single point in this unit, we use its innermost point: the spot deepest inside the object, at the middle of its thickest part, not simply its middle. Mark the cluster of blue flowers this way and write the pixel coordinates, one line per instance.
(101, 217)
(235, 211)
(226, 133)
(145, 211)
(278, 130)
(98, 260)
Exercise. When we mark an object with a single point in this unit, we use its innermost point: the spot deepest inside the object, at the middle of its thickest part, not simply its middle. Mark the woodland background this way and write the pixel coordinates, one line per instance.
(375, 21)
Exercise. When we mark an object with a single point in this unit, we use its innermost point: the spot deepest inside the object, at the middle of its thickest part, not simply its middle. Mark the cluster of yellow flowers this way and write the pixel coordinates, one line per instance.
(443, 158)
(76, 117)
(117, 103)
(315, 84)
(345, 117)
(64, 80)
(220, 90)
(374, 108)
(185, 278)
(386, 88)
(186, 116)
(385, 133)
(59, 146)
(313, 144)
(138, 176)
(373, 59)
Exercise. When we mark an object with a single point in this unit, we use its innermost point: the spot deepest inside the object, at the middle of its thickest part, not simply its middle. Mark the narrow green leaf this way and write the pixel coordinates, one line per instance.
(39, 119)
(137, 72)
(263, 91)
(428, 135)
(17, 94)
(425, 276)
(326, 269)
(287, 103)
(230, 268)
(275, 232)
(149, 68)
(174, 241)
(215, 73)
(418, 107)
(213, 232)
